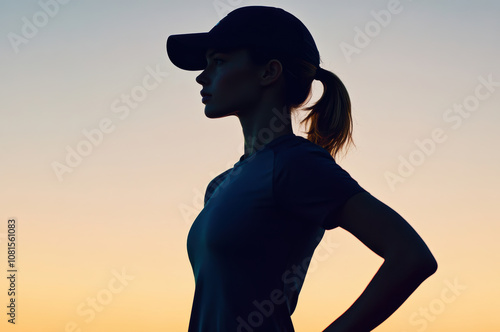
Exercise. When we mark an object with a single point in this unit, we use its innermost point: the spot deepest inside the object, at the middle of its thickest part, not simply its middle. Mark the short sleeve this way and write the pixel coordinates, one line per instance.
(311, 186)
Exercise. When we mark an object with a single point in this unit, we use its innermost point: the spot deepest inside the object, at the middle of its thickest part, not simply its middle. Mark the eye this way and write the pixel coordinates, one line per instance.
(218, 61)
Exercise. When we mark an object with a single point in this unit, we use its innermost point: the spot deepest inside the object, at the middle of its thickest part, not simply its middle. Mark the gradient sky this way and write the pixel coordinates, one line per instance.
(112, 227)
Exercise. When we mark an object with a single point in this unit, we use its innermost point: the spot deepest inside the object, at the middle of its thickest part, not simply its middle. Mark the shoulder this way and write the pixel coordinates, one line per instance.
(301, 155)
(308, 166)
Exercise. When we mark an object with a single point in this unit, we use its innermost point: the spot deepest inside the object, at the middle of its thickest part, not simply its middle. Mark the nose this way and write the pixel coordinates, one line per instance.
(202, 78)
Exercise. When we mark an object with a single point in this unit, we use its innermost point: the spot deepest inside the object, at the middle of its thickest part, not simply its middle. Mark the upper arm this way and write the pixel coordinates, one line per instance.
(382, 229)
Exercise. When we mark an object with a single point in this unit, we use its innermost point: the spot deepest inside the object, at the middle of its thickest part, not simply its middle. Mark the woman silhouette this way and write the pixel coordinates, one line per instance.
(251, 245)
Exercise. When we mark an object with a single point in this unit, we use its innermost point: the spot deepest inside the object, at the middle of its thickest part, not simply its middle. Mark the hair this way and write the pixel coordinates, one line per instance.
(330, 117)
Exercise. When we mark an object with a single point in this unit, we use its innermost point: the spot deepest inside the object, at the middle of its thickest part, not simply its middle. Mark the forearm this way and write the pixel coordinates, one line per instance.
(390, 287)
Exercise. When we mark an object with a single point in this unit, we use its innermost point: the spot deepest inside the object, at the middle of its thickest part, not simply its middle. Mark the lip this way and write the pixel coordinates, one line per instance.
(206, 96)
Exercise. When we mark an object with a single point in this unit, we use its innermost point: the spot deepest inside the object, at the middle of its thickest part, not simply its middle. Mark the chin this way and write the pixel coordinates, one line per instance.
(214, 113)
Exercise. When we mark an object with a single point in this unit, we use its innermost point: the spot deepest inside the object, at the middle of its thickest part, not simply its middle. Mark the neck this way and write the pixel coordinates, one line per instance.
(262, 127)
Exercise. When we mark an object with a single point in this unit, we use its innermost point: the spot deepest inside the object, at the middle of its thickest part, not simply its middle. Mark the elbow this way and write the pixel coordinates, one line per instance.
(417, 262)
(423, 263)
(433, 265)
(428, 265)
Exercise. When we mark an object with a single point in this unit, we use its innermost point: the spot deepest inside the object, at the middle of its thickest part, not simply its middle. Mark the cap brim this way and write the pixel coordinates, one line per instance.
(187, 51)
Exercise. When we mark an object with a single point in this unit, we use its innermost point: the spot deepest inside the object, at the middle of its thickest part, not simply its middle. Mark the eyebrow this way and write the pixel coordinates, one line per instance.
(218, 50)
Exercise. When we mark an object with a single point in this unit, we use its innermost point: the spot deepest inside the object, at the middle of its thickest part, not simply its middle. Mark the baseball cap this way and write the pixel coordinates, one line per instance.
(261, 27)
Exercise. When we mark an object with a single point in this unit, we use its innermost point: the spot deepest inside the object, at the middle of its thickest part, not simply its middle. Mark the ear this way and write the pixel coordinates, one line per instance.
(271, 72)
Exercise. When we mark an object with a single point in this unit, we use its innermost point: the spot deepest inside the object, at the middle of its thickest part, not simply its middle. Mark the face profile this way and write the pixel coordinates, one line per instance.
(230, 83)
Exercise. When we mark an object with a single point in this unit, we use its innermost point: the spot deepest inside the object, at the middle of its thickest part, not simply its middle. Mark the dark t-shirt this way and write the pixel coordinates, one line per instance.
(251, 244)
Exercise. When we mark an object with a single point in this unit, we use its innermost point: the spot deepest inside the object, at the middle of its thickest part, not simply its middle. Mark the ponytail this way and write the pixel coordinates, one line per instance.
(330, 117)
